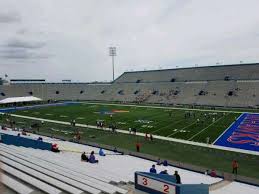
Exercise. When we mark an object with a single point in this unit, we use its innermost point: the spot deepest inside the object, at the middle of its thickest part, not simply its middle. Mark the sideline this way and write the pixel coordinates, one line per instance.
(143, 135)
(172, 108)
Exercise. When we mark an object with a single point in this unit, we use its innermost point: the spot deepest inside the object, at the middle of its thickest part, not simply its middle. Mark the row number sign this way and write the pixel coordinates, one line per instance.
(156, 185)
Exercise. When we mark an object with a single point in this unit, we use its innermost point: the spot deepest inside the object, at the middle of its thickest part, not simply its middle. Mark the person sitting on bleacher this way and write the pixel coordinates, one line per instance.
(163, 172)
(158, 162)
(84, 157)
(213, 173)
(54, 148)
(92, 158)
(40, 139)
(24, 132)
(165, 163)
(101, 152)
(153, 169)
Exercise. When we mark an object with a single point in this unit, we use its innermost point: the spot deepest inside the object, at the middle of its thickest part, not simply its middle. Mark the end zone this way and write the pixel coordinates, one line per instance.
(243, 134)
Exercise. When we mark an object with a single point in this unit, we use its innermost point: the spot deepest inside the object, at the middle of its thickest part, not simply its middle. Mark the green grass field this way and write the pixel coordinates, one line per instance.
(163, 120)
(160, 121)
(195, 155)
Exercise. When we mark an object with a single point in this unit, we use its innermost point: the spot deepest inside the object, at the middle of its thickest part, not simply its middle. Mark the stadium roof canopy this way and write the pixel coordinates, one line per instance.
(19, 99)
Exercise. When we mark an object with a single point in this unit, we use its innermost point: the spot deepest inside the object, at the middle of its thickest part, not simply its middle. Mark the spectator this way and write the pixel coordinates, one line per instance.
(158, 162)
(163, 172)
(54, 148)
(92, 158)
(153, 169)
(234, 167)
(165, 163)
(213, 173)
(177, 177)
(40, 139)
(84, 157)
(24, 132)
(101, 152)
(138, 147)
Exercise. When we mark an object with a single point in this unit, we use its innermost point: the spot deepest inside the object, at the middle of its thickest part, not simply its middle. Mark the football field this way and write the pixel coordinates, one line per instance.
(182, 123)
(187, 124)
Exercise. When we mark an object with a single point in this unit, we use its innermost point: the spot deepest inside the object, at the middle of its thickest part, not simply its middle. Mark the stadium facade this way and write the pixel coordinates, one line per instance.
(227, 86)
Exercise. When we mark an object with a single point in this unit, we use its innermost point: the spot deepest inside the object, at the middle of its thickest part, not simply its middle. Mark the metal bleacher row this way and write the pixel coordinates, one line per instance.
(231, 85)
(51, 176)
(28, 170)
(35, 171)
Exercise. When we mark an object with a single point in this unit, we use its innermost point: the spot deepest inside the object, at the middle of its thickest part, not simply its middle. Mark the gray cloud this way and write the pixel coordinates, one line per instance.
(15, 43)
(9, 18)
(148, 34)
(21, 54)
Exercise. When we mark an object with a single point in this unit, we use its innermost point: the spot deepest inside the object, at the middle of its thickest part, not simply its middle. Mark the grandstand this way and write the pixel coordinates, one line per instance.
(28, 170)
(225, 86)
(206, 102)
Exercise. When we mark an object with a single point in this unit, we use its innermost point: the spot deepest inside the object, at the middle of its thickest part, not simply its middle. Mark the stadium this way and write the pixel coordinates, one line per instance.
(129, 97)
(194, 115)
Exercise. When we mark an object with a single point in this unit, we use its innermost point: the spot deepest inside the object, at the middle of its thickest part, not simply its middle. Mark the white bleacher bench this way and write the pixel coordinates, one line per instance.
(101, 174)
(31, 180)
(41, 176)
(56, 170)
(98, 184)
(63, 176)
(15, 185)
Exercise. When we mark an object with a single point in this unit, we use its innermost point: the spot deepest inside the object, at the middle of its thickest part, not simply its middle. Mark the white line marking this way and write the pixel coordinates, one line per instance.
(182, 128)
(227, 129)
(206, 127)
(143, 135)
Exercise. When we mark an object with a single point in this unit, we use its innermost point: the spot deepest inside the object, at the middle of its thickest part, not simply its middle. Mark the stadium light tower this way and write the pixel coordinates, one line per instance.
(112, 53)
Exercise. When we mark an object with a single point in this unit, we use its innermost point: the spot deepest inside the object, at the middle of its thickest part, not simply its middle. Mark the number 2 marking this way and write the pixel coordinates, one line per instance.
(166, 188)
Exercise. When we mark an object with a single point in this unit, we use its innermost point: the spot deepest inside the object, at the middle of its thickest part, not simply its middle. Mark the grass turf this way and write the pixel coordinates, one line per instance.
(209, 158)
(164, 122)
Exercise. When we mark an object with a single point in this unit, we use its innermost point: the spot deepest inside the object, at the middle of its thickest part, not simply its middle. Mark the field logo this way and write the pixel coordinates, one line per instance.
(243, 134)
(108, 112)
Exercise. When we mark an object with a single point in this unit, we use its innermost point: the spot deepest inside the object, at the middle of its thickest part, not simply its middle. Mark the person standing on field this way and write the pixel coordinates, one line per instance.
(138, 147)
(234, 167)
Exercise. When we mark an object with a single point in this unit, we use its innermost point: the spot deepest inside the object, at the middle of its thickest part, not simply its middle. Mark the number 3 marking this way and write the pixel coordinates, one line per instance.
(166, 188)
(144, 181)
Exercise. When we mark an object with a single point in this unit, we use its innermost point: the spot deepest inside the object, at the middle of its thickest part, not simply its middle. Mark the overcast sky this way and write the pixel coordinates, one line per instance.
(69, 39)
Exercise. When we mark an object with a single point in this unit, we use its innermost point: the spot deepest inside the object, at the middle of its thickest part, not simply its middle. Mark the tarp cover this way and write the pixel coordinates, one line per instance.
(19, 99)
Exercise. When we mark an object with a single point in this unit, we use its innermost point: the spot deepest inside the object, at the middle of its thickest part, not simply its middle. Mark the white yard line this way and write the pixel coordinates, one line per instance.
(143, 135)
(182, 128)
(166, 126)
(206, 128)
